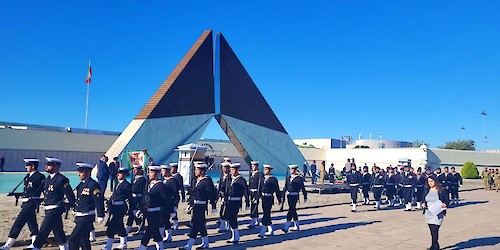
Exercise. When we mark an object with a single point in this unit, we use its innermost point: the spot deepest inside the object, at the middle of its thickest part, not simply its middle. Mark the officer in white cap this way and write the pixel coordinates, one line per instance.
(154, 202)
(255, 185)
(201, 193)
(224, 183)
(88, 200)
(117, 208)
(56, 188)
(138, 188)
(180, 189)
(270, 187)
(30, 197)
(293, 185)
(173, 199)
(237, 190)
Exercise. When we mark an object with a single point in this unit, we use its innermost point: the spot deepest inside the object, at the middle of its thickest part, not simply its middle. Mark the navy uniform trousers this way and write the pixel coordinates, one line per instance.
(198, 221)
(154, 220)
(27, 215)
(254, 211)
(232, 213)
(267, 204)
(80, 236)
(292, 211)
(354, 193)
(115, 225)
(377, 193)
(51, 222)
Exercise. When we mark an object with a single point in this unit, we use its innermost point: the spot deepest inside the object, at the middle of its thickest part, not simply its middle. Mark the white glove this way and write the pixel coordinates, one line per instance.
(172, 215)
(247, 208)
(73, 212)
(175, 209)
(305, 200)
(100, 220)
(214, 211)
(138, 213)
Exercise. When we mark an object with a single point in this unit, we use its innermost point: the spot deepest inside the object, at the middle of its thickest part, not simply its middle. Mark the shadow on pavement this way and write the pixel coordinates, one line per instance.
(468, 203)
(478, 242)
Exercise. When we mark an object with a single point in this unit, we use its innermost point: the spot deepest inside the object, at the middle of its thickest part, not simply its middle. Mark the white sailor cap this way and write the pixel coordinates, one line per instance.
(154, 168)
(30, 160)
(173, 164)
(227, 159)
(200, 165)
(165, 167)
(235, 165)
(53, 160)
(84, 165)
(254, 162)
(123, 169)
(293, 166)
(268, 166)
(225, 164)
(137, 166)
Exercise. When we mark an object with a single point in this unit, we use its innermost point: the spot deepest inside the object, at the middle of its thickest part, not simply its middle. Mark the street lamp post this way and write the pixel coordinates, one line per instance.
(484, 137)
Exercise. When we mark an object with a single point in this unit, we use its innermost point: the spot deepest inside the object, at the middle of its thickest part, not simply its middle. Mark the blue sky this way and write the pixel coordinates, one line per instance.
(413, 71)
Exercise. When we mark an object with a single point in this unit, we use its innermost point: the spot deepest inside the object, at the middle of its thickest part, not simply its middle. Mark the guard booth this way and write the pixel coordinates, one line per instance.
(188, 154)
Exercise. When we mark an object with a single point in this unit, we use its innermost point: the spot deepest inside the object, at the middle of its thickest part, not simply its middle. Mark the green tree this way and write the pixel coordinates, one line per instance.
(460, 145)
(469, 171)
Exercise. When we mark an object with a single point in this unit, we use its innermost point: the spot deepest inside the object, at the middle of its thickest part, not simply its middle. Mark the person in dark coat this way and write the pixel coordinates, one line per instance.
(173, 195)
(433, 193)
(103, 173)
(113, 170)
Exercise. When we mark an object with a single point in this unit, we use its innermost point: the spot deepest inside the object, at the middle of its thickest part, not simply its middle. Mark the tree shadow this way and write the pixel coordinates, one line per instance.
(468, 203)
(295, 235)
(478, 242)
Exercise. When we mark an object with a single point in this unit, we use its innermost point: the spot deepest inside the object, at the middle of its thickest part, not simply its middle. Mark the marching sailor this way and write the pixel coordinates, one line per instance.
(117, 208)
(154, 202)
(293, 185)
(88, 200)
(407, 185)
(223, 190)
(138, 189)
(237, 189)
(255, 185)
(366, 180)
(173, 196)
(390, 186)
(456, 181)
(33, 183)
(180, 188)
(378, 186)
(419, 187)
(201, 193)
(353, 179)
(270, 187)
(56, 187)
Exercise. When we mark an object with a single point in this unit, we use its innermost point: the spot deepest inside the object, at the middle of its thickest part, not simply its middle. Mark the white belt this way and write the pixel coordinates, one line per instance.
(79, 214)
(197, 202)
(354, 185)
(235, 198)
(267, 194)
(407, 186)
(293, 193)
(117, 203)
(254, 190)
(154, 209)
(378, 186)
(136, 195)
(50, 207)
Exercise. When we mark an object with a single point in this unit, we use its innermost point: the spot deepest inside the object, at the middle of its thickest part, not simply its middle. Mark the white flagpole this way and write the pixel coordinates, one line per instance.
(87, 102)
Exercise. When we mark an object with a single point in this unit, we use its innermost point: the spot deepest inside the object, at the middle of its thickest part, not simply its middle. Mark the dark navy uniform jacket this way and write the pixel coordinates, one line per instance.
(378, 180)
(390, 180)
(353, 177)
(442, 179)
(239, 188)
(408, 179)
(456, 179)
(295, 184)
(172, 194)
(223, 183)
(447, 179)
(271, 186)
(156, 196)
(420, 181)
(180, 184)
(366, 179)
(55, 188)
(123, 192)
(138, 189)
(254, 181)
(204, 190)
(89, 198)
(33, 185)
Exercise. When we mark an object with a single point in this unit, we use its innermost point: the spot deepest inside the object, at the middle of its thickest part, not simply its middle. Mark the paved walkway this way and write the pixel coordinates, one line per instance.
(473, 224)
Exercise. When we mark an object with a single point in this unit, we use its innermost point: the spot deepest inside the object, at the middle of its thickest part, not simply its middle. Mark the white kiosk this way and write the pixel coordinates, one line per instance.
(188, 154)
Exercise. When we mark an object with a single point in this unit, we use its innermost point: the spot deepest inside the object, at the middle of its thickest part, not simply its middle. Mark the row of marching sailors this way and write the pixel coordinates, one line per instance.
(405, 186)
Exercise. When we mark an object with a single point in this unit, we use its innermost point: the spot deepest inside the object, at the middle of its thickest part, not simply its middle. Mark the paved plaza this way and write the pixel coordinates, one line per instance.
(473, 224)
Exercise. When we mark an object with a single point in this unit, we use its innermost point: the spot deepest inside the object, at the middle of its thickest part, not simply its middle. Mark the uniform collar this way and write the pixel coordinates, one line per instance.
(83, 181)
(120, 181)
(32, 172)
(52, 175)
